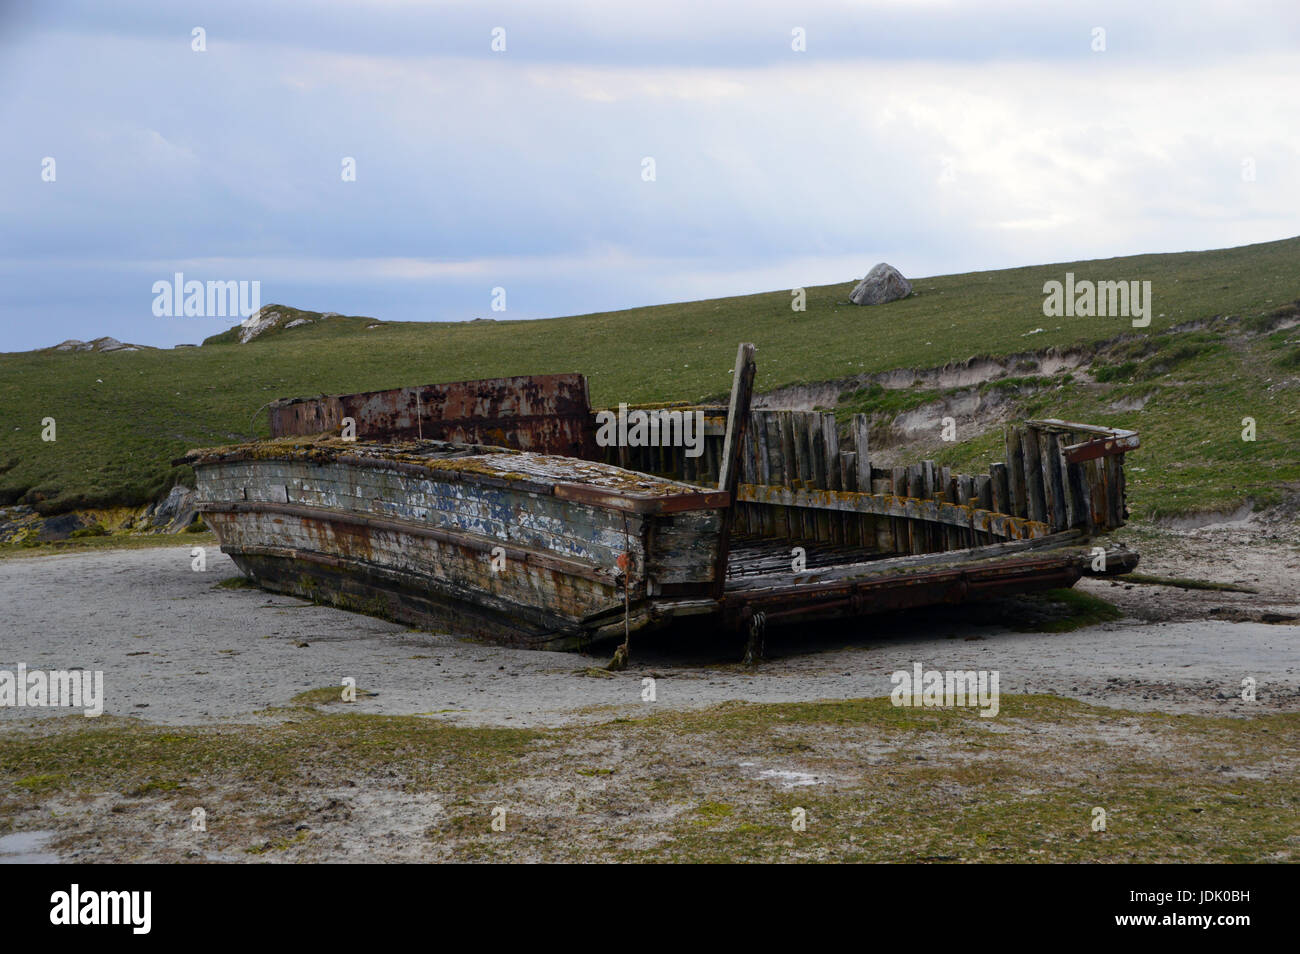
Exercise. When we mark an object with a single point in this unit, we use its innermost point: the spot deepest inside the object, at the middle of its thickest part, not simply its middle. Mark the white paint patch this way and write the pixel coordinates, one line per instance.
(784, 777)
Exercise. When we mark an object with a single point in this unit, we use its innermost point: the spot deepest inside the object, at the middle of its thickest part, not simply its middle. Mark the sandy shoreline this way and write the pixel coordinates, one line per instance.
(177, 649)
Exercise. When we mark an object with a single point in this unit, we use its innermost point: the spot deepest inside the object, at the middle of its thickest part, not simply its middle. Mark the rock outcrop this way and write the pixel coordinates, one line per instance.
(173, 513)
(884, 283)
(99, 344)
(259, 322)
(273, 317)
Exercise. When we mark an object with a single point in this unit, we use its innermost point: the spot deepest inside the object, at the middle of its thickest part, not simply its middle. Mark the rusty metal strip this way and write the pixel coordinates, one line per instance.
(1108, 442)
(549, 413)
(469, 541)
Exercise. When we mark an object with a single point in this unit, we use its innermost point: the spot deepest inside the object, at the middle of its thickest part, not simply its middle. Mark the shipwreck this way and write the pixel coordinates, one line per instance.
(489, 508)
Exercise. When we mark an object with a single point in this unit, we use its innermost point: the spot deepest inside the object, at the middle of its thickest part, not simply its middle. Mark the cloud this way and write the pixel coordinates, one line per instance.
(939, 137)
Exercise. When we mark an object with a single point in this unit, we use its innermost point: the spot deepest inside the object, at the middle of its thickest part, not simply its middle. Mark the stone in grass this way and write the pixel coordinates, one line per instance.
(884, 283)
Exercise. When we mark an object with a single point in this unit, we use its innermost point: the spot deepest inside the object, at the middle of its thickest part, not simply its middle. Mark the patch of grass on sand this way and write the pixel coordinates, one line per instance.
(1183, 583)
(1052, 611)
(326, 695)
(47, 782)
(889, 784)
(240, 582)
(1063, 611)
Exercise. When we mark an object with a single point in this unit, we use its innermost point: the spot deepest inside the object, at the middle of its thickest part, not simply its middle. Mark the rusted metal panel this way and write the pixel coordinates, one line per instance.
(1104, 442)
(547, 413)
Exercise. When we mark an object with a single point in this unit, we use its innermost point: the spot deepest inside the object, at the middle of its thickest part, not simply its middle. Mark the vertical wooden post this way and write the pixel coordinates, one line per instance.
(1036, 504)
(1053, 485)
(861, 431)
(984, 501)
(902, 526)
(758, 421)
(1001, 488)
(776, 469)
(790, 471)
(849, 481)
(1015, 473)
(817, 473)
(922, 489)
(831, 448)
(885, 540)
(802, 473)
(742, 391)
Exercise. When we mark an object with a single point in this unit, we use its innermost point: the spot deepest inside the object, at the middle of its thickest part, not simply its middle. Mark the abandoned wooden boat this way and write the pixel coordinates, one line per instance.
(490, 508)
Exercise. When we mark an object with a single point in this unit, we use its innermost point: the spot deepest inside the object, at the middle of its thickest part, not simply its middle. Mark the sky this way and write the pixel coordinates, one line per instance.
(937, 136)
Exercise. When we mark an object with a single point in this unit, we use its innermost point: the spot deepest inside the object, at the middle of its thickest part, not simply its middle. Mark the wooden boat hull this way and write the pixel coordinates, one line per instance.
(561, 550)
(468, 545)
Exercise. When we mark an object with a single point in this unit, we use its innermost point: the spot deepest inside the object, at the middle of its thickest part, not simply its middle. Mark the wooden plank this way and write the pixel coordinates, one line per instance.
(1081, 494)
(834, 478)
(1036, 503)
(965, 495)
(742, 391)
(1100, 515)
(1000, 475)
(790, 473)
(906, 509)
(861, 427)
(916, 488)
(817, 469)
(1115, 491)
(930, 481)
(1051, 462)
(944, 491)
(1015, 464)
(766, 518)
(984, 496)
(903, 489)
(1070, 506)
(776, 470)
(803, 474)
(983, 556)
(854, 527)
(860, 433)
(752, 517)
(882, 487)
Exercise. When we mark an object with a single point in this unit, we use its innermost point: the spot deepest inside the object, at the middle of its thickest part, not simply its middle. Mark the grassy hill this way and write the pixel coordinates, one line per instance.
(122, 417)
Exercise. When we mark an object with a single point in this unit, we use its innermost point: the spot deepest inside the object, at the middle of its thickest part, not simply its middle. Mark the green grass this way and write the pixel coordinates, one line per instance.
(1062, 611)
(236, 583)
(1196, 389)
(122, 417)
(326, 695)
